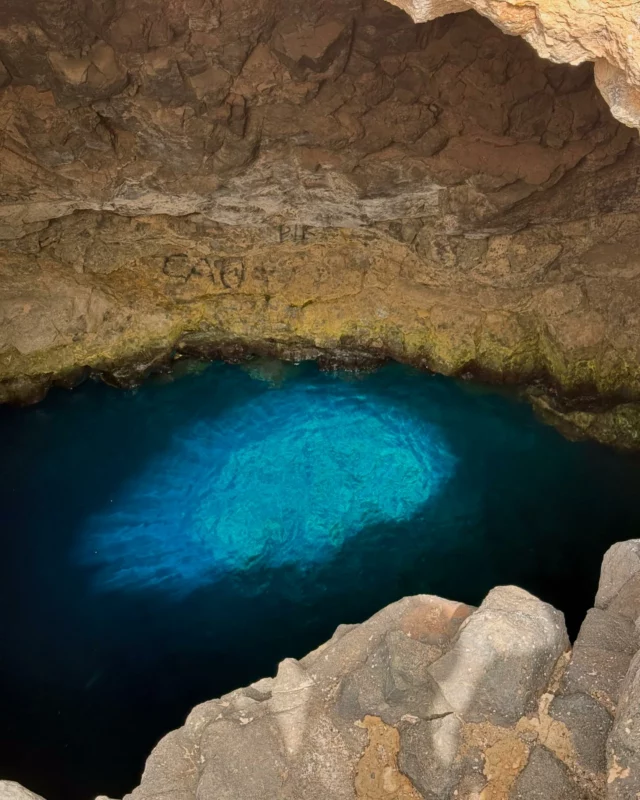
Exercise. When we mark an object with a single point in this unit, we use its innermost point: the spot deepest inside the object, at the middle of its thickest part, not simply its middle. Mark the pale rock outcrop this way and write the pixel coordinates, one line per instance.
(502, 659)
(10, 790)
(428, 700)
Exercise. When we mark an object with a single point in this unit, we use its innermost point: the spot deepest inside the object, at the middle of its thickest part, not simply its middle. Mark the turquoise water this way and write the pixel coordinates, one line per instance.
(281, 481)
(165, 545)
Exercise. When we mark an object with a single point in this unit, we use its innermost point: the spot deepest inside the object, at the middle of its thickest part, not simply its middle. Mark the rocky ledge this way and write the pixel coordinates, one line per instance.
(430, 700)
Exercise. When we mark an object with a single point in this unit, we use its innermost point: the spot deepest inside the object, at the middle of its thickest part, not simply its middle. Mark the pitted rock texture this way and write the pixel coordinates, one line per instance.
(313, 181)
(387, 710)
(10, 790)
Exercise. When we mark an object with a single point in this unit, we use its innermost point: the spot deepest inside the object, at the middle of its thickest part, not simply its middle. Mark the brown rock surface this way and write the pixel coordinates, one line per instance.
(567, 32)
(329, 180)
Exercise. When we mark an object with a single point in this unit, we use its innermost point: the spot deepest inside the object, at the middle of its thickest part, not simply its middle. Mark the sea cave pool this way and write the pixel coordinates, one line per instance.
(165, 545)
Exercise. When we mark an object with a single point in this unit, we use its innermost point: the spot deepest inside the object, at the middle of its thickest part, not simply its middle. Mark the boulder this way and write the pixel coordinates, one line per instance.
(503, 657)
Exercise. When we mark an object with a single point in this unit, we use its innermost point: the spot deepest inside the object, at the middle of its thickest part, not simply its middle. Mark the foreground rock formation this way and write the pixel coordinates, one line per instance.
(320, 180)
(430, 700)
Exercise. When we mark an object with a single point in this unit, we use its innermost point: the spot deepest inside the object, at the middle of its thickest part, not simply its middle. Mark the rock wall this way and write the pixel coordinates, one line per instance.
(567, 32)
(330, 181)
(430, 700)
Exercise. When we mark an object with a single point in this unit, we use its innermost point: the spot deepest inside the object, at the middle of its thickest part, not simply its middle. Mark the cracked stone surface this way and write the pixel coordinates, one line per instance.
(432, 700)
(374, 713)
(569, 32)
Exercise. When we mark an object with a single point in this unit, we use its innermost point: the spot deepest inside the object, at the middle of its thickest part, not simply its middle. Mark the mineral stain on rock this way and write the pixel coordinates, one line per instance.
(421, 755)
(377, 775)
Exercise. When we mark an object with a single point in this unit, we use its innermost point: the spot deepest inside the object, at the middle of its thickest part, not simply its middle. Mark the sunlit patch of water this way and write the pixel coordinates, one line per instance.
(282, 480)
(166, 545)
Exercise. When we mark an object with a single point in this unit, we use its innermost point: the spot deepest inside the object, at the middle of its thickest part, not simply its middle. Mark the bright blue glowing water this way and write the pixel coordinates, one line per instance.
(164, 546)
(282, 480)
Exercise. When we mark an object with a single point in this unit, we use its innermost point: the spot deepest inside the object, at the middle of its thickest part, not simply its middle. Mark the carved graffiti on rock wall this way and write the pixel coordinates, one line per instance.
(231, 272)
(293, 233)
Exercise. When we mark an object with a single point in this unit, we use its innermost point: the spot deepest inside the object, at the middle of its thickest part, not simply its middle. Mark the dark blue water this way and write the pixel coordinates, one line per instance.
(163, 546)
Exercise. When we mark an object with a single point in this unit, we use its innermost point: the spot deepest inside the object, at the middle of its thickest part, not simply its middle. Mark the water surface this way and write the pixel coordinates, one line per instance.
(165, 545)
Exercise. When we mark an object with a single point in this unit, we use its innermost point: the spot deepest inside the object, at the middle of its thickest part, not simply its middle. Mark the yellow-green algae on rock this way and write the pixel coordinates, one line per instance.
(335, 294)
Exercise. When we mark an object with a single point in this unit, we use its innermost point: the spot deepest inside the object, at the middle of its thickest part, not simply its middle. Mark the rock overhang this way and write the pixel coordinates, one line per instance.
(318, 179)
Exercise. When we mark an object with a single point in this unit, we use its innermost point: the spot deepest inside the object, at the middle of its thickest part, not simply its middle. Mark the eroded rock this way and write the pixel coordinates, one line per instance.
(363, 716)
(620, 566)
(602, 654)
(503, 658)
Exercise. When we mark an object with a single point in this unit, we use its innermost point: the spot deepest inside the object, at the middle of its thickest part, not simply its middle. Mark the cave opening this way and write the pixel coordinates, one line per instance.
(315, 179)
(190, 184)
